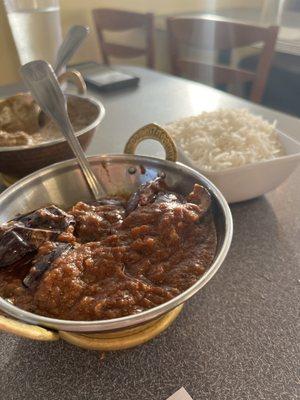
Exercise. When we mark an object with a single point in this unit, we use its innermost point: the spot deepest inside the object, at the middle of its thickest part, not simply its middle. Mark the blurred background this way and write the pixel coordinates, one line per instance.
(282, 85)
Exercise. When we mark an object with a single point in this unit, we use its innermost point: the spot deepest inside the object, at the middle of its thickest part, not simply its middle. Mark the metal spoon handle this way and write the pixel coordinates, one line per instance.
(40, 79)
(70, 44)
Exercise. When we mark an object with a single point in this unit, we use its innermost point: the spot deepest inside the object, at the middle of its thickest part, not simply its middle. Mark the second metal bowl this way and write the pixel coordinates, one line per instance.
(19, 161)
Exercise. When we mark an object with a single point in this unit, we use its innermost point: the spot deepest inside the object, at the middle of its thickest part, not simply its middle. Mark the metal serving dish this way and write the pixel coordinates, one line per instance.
(63, 184)
(19, 161)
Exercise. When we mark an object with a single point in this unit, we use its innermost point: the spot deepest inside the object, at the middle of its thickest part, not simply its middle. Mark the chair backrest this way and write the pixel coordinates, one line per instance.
(119, 20)
(220, 35)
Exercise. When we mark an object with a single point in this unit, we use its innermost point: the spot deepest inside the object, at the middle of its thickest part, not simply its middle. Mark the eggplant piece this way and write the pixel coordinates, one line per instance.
(146, 194)
(18, 241)
(44, 262)
(36, 237)
(13, 247)
(50, 217)
(25, 233)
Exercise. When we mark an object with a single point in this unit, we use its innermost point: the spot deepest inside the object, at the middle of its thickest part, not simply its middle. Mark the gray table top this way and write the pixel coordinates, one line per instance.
(235, 339)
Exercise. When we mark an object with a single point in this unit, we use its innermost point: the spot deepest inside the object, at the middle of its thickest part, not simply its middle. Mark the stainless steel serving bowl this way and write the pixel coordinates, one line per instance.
(63, 184)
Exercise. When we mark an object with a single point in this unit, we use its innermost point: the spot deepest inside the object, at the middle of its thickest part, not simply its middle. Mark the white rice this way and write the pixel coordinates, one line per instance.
(226, 138)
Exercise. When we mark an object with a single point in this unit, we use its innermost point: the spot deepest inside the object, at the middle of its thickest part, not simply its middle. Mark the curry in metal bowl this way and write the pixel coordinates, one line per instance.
(111, 258)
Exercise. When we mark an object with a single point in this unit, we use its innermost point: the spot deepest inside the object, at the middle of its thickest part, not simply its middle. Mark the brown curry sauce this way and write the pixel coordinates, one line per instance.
(109, 259)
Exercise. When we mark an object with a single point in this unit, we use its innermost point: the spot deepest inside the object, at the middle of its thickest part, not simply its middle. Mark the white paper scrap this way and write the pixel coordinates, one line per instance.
(181, 394)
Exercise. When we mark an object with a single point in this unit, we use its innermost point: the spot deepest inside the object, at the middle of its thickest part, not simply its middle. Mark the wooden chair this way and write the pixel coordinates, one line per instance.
(220, 36)
(117, 20)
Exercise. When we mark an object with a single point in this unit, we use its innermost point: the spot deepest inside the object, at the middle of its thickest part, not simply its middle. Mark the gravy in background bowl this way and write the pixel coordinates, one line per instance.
(19, 120)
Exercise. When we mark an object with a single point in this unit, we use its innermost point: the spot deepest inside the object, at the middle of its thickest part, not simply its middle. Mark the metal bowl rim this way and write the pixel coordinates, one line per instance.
(94, 124)
(135, 319)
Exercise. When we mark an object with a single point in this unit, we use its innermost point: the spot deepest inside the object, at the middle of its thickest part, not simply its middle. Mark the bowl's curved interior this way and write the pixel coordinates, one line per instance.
(86, 113)
(63, 184)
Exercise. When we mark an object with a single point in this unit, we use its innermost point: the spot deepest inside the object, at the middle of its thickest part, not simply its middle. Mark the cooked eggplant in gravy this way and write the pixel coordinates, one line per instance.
(107, 259)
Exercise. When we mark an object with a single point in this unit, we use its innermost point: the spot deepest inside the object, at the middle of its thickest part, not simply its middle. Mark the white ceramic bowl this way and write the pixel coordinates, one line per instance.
(252, 180)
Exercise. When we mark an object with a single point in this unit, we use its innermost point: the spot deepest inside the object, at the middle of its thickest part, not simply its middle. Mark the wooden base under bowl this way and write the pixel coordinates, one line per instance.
(110, 341)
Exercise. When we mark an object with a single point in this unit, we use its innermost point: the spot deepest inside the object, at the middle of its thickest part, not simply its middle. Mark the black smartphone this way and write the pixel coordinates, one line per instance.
(106, 78)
